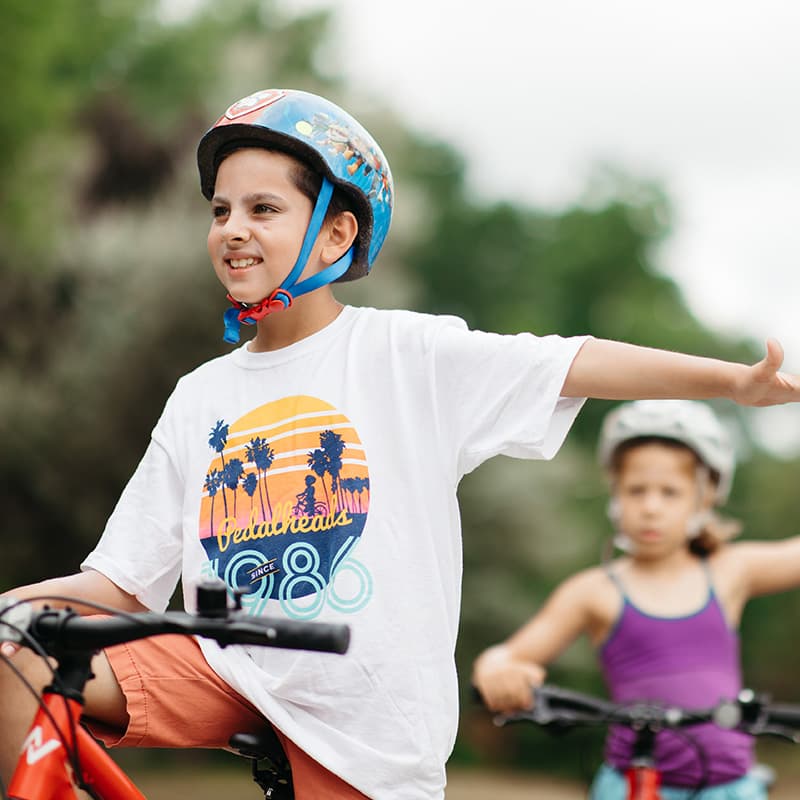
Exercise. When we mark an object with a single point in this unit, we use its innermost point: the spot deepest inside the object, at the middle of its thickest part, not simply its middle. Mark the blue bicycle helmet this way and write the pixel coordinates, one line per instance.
(331, 142)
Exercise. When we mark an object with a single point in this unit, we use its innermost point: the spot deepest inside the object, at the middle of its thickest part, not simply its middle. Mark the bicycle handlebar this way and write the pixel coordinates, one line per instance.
(556, 707)
(65, 630)
(559, 707)
(784, 715)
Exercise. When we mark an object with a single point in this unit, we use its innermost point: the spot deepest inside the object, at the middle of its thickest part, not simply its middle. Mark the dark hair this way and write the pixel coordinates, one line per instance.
(309, 181)
(305, 178)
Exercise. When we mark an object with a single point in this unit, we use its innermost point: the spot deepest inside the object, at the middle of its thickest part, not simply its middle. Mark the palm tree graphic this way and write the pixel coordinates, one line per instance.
(212, 483)
(360, 485)
(231, 473)
(250, 484)
(333, 446)
(318, 464)
(217, 440)
(352, 487)
(262, 455)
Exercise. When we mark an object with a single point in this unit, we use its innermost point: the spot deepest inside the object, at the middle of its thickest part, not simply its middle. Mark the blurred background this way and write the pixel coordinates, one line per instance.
(628, 171)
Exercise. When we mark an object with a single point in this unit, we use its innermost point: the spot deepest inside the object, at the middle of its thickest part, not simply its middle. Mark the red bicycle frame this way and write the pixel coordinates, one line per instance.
(59, 754)
(643, 782)
(44, 770)
(643, 778)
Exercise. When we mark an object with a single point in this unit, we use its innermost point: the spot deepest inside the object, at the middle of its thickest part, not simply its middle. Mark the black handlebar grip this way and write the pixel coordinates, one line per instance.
(65, 629)
(323, 637)
(785, 715)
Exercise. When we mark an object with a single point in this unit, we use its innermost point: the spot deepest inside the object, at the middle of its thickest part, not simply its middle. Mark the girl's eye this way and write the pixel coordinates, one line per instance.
(218, 211)
(262, 208)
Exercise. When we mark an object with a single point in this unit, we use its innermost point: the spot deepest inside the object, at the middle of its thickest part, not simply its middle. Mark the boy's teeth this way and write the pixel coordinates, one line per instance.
(237, 263)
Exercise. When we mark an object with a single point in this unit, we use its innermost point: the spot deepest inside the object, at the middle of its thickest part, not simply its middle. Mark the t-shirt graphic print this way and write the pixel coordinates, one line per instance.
(284, 503)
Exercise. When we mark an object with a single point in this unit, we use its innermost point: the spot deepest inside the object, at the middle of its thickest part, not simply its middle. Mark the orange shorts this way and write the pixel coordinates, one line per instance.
(175, 699)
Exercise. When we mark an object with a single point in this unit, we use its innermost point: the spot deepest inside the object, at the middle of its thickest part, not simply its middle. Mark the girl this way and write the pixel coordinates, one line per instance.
(664, 616)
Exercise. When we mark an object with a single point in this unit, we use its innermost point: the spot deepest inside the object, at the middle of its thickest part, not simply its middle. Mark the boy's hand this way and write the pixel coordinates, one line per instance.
(15, 616)
(506, 684)
(8, 649)
(763, 385)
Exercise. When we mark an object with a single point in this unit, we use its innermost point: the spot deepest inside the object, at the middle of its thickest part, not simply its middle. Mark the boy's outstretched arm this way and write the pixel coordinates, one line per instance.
(610, 370)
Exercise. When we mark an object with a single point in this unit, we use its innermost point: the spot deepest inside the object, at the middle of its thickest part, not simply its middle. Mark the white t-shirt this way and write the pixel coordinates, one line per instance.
(324, 477)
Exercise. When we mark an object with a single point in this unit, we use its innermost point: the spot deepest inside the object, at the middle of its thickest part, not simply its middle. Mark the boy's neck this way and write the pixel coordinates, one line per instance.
(307, 315)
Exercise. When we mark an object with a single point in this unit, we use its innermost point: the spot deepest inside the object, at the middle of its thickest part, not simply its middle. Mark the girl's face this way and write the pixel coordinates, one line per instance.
(657, 493)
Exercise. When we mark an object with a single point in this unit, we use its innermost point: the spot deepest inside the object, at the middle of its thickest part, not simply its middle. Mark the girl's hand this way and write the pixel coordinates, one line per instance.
(763, 385)
(506, 684)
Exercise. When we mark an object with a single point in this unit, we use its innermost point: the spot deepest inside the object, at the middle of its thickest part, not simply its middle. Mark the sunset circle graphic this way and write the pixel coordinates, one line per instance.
(284, 503)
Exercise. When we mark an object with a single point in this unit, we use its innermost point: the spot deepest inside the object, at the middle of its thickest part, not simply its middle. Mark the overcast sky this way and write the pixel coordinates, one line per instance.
(700, 95)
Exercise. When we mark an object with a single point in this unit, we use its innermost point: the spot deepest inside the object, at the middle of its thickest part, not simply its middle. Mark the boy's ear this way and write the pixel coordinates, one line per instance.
(339, 233)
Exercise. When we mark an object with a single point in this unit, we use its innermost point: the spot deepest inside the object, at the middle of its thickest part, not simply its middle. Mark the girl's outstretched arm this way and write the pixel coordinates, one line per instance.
(766, 567)
(506, 673)
(612, 370)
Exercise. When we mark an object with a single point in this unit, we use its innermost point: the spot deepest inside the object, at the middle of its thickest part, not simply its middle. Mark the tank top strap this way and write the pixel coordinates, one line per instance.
(707, 571)
(616, 580)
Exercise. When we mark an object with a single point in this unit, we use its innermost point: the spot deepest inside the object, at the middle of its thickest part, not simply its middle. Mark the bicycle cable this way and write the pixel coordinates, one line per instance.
(72, 751)
(608, 719)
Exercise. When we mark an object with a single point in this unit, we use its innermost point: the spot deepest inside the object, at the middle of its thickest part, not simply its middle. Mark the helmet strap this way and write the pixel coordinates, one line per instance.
(314, 227)
(325, 276)
(614, 513)
(698, 521)
(282, 297)
(249, 314)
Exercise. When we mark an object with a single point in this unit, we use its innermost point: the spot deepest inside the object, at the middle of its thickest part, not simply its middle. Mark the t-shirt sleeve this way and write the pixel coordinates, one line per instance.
(140, 549)
(500, 394)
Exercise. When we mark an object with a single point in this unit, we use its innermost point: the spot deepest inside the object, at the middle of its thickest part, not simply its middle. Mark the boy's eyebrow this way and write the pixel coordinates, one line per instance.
(249, 199)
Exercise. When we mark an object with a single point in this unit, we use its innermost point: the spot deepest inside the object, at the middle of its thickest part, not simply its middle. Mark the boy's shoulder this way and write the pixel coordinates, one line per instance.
(402, 327)
(418, 320)
(196, 382)
(210, 368)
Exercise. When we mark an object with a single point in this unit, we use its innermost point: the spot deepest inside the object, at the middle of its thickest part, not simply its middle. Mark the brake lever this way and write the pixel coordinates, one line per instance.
(778, 731)
(543, 715)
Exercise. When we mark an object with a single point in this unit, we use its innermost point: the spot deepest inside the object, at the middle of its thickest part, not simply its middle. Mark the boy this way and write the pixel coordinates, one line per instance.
(318, 465)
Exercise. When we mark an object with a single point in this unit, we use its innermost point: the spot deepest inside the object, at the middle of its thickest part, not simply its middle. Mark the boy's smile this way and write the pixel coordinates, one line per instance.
(259, 219)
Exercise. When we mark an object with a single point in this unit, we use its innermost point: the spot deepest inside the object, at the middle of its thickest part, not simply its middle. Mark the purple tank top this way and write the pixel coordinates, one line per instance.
(690, 661)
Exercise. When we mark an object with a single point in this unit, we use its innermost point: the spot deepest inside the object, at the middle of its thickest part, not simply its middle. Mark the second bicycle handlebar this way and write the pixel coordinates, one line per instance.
(556, 707)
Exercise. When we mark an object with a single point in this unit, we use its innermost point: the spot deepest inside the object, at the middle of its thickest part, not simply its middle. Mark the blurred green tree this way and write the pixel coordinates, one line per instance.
(105, 283)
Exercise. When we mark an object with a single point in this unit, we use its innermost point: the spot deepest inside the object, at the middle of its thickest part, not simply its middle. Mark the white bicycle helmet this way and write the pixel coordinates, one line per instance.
(689, 422)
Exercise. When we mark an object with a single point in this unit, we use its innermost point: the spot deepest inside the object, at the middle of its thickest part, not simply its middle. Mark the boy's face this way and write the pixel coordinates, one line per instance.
(259, 219)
